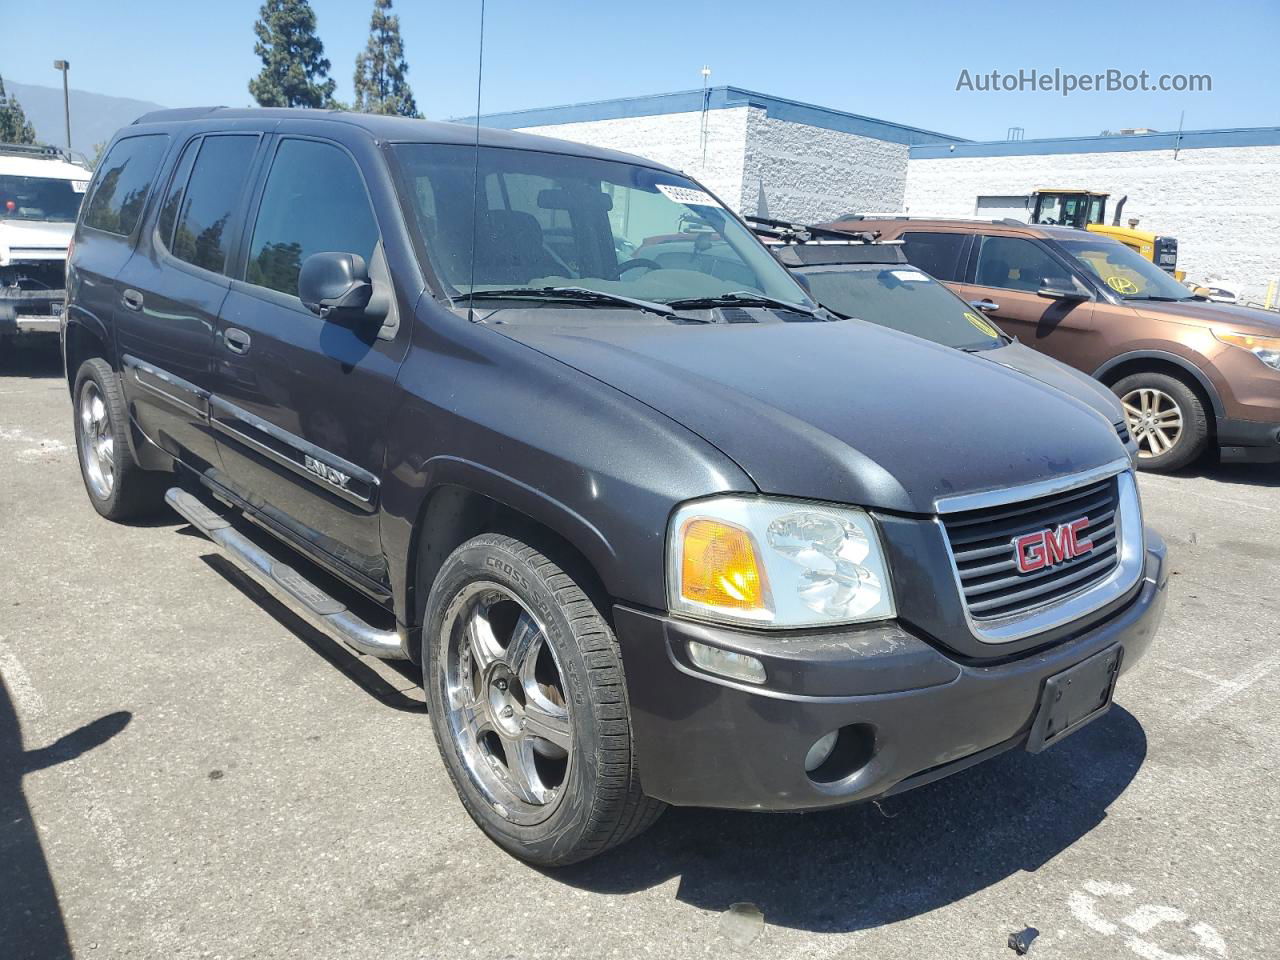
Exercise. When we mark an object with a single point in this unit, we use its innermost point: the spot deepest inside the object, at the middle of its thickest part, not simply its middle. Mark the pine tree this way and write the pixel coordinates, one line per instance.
(295, 72)
(380, 82)
(14, 127)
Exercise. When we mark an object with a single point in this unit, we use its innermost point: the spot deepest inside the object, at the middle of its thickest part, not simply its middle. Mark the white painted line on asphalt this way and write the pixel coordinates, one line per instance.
(26, 699)
(1198, 674)
(1230, 688)
(1150, 923)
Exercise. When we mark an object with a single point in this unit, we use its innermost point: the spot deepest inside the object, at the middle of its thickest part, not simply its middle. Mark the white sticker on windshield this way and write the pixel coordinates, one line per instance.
(908, 276)
(697, 198)
(79, 186)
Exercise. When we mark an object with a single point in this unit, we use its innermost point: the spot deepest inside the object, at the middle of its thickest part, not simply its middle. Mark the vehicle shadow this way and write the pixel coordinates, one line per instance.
(347, 662)
(874, 864)
(30, 356)
(31, 923)
(1243, 474)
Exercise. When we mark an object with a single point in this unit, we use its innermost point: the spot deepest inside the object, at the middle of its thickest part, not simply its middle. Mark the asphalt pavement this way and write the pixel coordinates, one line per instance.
(188, 770)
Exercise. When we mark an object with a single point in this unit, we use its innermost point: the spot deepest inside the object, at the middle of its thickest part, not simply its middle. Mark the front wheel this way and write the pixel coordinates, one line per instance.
(1165, 417)
(528, 703)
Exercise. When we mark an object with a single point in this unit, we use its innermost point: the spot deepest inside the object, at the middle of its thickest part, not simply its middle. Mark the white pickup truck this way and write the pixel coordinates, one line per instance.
(40, 193)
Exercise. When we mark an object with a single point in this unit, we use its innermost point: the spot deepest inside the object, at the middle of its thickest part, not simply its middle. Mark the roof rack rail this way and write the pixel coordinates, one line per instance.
(33, 150)
(903, 216)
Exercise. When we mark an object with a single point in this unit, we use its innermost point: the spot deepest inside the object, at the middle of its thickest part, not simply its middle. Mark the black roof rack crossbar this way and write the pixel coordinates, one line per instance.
(803, 233)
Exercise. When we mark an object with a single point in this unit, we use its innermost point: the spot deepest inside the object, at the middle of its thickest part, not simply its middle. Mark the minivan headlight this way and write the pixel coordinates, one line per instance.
(1266, 349)
(776, 563)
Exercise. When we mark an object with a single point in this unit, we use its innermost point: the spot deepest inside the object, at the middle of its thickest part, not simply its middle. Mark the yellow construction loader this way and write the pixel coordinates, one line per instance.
(1087, 210)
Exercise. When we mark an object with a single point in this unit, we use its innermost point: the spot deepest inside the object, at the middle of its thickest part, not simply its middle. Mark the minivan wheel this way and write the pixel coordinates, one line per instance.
(1166, 418)
(527, 698)
(118, 488)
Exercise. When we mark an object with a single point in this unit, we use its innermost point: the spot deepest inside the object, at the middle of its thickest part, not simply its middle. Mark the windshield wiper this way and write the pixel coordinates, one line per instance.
(583, 294)
(740, 298)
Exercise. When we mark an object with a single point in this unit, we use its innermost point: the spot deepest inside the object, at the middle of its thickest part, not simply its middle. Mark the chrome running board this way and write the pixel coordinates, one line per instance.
(329, 616)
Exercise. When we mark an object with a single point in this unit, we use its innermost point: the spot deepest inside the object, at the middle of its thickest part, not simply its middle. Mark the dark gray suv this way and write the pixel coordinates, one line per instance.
(657, 530)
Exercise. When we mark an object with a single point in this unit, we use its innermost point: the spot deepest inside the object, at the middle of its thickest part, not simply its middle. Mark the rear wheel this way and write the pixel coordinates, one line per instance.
(528, 704)
(118, 488)
(1165, 417)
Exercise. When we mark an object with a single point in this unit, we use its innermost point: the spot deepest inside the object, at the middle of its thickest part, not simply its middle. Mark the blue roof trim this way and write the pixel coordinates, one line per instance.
(1188, 140)
(716, 98)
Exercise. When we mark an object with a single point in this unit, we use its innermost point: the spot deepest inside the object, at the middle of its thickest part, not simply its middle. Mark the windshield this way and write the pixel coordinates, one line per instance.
(39, 198)
(551, 220)
(1124, 271)
(902, 297)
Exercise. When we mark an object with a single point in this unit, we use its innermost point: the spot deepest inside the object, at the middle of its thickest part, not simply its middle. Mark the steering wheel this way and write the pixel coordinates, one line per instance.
(634, 262)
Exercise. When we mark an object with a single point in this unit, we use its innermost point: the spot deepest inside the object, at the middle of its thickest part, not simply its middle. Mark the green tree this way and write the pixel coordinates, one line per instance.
(295, 72)
(380, 81)
(14, 127)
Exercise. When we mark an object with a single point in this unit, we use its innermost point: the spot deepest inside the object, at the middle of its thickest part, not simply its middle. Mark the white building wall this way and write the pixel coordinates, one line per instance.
(1222, 203)
(811, 173)
(673, 139)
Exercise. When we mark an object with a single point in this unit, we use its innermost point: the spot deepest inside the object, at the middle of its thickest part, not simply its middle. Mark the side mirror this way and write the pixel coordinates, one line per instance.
(801, 279)
(335, 286)
(1062, 288)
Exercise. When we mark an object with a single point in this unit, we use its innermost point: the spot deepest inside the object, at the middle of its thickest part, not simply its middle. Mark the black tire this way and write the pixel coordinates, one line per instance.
(133, 491)
(598, 803)
(1193, 438)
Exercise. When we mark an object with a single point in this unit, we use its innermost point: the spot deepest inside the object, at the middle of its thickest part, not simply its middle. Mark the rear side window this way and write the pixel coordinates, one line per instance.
(314, 201)
(178, 186)
(124, 182)
(211, 199)
(1014, 263)
(937, 253)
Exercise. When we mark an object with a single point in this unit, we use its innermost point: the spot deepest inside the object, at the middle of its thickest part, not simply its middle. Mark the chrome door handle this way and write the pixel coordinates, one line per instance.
(237, 341)
(132, 299)
(986, 306)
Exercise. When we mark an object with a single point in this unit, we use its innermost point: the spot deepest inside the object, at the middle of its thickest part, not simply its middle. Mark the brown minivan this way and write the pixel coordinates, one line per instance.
(1190, 372)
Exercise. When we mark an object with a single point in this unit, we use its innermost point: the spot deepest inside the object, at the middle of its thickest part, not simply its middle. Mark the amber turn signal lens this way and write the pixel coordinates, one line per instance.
(720, 567)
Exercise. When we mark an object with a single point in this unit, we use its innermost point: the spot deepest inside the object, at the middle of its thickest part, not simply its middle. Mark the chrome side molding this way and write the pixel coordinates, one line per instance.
(310, 602)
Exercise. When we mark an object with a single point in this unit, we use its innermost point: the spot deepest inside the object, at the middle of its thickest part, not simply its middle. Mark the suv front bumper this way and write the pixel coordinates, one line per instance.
(30, 311)
(702, 740)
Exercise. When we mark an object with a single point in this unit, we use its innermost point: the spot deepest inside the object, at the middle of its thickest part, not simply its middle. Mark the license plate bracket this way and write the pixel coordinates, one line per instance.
(1075, 697)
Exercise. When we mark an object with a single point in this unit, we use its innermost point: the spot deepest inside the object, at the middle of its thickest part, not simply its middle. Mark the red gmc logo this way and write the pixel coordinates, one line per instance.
(1048, 548)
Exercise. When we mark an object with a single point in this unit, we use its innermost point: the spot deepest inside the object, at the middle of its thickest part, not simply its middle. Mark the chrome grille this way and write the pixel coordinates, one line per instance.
(982, 546)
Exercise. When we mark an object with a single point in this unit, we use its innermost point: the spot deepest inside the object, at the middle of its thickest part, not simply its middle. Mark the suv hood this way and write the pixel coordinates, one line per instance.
(845, 411)
(34, 240)
(1020, 357)
(1228, 316)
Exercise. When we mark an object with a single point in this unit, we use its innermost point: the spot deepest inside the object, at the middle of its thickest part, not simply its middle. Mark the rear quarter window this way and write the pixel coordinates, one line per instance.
(124, 183)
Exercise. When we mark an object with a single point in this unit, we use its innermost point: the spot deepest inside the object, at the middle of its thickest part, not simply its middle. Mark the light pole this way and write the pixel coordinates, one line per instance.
(64, 66)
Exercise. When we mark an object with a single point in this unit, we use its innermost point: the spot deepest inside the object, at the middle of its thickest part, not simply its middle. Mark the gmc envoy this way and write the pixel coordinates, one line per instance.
(659, 529)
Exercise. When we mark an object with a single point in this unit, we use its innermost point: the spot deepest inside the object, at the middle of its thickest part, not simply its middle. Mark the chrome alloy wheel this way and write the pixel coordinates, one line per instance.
(506, 702)
(97, 442)
(1155, 420)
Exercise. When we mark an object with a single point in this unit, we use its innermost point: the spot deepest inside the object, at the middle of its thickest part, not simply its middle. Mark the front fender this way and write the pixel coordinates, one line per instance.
(1187, 364)
(596, 467)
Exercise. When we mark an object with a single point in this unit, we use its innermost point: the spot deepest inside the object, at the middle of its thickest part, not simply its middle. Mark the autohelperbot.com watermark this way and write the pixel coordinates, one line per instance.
(1065, 82)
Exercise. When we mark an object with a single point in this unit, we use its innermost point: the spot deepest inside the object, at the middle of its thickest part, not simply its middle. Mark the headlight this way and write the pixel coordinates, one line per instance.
(1266, 349)
(776, 563)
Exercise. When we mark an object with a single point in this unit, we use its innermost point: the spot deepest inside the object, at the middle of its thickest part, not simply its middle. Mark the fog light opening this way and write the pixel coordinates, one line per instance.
(820, 751)
(852, 748)
(726, 663)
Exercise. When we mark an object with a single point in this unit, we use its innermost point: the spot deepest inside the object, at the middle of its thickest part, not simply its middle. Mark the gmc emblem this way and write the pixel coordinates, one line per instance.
(1048, 548)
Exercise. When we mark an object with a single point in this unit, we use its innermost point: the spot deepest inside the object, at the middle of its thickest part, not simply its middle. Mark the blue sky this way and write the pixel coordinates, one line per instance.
(898, 61)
